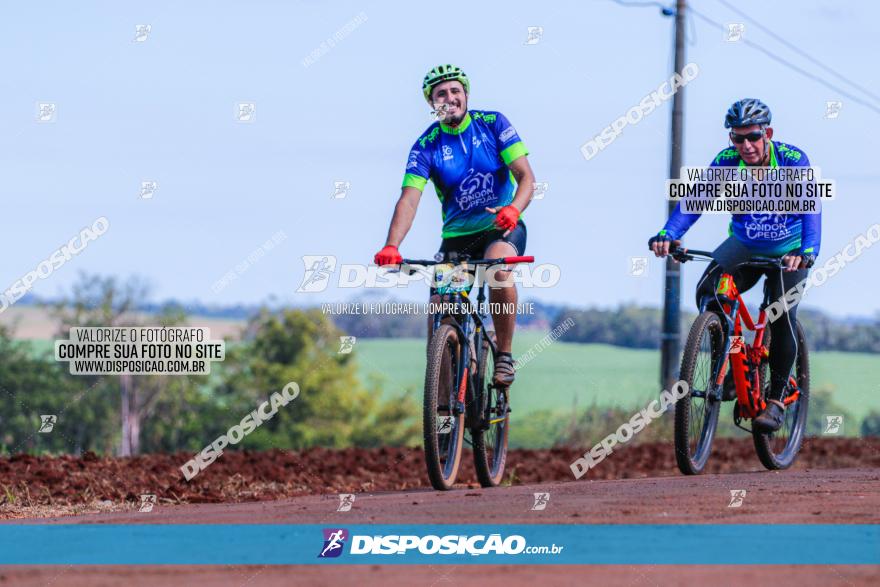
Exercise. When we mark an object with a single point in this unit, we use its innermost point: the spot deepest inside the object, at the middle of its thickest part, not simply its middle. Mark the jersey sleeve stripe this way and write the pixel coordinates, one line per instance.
(513, 152)
(411, 180)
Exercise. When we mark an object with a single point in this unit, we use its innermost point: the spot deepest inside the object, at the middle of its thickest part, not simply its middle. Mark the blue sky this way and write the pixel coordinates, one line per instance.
(163, 110)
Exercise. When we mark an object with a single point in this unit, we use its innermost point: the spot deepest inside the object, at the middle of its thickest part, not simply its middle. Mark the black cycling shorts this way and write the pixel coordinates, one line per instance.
(475, 245)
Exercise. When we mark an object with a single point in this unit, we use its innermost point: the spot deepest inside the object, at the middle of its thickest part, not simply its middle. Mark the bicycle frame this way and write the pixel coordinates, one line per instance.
(743, 360)
(742, 356)
(470, 322)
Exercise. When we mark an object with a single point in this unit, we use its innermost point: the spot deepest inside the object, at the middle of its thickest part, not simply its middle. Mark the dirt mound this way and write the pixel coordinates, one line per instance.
(240, 476)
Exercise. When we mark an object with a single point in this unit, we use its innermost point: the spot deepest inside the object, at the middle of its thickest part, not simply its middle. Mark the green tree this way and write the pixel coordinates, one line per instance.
(332, 409)
(32, 385)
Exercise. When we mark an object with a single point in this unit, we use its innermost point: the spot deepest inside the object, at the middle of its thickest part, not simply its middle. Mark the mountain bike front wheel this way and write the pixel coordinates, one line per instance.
(443, 430)
(696, 414)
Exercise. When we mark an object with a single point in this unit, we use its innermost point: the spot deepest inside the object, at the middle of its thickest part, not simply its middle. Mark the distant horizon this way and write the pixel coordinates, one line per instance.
(215, 309)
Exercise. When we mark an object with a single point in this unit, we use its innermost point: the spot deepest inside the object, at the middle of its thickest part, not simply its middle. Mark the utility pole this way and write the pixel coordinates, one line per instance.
(670, 343)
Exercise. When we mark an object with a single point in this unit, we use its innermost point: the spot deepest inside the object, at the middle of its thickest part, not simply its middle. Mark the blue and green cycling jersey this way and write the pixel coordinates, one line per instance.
(468, 167)
(766, 234)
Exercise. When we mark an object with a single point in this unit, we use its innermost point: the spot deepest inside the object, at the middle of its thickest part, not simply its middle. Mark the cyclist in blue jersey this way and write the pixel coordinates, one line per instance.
(794, 237)
(478, 165)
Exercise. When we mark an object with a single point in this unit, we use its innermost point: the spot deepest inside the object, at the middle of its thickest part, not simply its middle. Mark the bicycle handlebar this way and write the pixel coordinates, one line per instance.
(682, 255)
(498, 261)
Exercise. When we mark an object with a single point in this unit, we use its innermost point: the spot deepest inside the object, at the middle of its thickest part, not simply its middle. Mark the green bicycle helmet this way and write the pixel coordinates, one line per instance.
(443, 73)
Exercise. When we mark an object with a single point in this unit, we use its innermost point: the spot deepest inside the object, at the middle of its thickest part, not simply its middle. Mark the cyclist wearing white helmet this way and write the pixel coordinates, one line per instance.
(472, 157)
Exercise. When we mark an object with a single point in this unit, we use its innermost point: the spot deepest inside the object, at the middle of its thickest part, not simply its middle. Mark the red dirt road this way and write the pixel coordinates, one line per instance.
(805, 496)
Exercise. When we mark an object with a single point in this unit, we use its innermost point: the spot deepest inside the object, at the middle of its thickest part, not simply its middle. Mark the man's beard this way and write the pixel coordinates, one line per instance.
(452, 120)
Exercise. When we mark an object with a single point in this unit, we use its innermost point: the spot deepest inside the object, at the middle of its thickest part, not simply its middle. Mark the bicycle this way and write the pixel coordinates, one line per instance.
(715, 344)
(459, 393)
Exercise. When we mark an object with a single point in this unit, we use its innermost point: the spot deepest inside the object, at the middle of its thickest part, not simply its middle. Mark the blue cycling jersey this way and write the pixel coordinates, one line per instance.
(468, 167)
(767, 234)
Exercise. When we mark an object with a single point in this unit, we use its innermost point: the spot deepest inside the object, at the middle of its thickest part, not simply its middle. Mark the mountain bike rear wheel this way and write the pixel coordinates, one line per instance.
(778, 450)
(696, 414)
(443, 430)
(492, 425)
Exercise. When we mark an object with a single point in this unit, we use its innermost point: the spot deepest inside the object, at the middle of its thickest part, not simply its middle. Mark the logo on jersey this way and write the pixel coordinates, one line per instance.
(447, 153)
(413, 160)
(334, 541)
(768, 227)
(507, 134)
(477, 189)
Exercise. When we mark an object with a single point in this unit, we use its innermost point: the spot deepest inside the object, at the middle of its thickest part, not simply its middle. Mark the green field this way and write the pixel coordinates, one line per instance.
(565, 373)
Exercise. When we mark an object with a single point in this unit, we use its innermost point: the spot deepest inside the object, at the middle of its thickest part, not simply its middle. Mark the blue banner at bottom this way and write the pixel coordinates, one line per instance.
(270, 544)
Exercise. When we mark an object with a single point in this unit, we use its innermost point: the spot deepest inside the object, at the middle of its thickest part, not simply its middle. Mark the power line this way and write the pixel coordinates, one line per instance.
(791, 65)
(640, 4)
(799, 51)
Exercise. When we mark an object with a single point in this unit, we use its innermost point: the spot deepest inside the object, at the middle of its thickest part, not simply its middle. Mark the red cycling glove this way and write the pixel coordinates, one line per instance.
(507, 218)
(389, 255)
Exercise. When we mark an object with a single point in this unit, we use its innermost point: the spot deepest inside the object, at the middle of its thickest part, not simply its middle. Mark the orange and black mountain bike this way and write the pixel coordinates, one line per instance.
(716, 345)
(459, 393)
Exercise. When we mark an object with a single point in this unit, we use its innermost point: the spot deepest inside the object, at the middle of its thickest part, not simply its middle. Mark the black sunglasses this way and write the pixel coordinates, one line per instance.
(752, 137)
